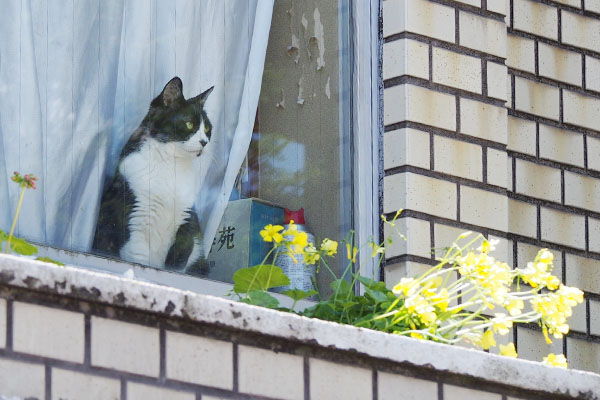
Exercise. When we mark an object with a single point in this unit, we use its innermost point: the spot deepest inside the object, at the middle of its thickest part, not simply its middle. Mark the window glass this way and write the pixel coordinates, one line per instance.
(168, 133)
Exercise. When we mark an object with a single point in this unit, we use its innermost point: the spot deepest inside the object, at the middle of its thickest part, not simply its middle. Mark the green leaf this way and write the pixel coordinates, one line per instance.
(372, 284)
(261, 298)
(49, 260)
(259, 277)
(20, 246)
(323, 311)
(342, 287)
(297, 294)
(376, 295)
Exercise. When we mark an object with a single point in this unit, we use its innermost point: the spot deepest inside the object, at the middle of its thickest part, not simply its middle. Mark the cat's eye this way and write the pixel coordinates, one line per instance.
(189, 125)
(206, 129)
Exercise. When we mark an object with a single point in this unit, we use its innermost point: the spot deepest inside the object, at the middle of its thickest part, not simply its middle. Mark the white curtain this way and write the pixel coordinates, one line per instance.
(77, 77)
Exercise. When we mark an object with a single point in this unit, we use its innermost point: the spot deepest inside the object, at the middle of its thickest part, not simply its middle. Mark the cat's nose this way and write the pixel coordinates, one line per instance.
(203, 142)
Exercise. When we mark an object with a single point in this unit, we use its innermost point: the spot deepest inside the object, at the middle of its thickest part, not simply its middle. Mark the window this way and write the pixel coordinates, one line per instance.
(164, 132)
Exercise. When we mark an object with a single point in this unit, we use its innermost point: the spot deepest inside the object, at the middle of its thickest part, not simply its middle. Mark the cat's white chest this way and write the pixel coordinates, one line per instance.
(162, 179)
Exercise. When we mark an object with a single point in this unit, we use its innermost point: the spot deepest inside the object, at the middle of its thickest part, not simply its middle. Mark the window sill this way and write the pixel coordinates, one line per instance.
(519, 376)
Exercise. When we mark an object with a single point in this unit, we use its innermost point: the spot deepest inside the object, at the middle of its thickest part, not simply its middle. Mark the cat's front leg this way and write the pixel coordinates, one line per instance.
(186, 248)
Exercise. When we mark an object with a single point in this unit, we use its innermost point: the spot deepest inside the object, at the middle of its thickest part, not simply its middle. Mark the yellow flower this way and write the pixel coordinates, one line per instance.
(376, 249)
(292, 229)
(351, 254)
(299, 242)
(330, 246)
(485, 247)
(508, 350)
(545, 256)
(555, 360)
(311, 255)
(271, 233)
(465, 235)
(440, 299)
(552, 282)
(515, 306)
(501, 324)
(417, 335)
(406, 286)
(487, 340)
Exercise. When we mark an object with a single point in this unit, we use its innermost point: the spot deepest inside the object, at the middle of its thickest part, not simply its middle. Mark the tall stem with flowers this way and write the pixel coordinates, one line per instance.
(467, 296)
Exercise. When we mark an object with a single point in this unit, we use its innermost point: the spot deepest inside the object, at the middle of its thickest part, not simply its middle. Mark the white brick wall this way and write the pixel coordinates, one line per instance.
(520, 53)
(522, 218)
(199, 360)
(497, 76)
(536, 18)
(48, 332)
(419, 16)
(583, 273)
(329, 381)
(530, 85)
(538, 181)
(522, 136)
(561, 145)
(137, 391)
(497, 168)
(592, 73)
(583, 355)
(407, 191)
(22, 379)
(532, 346)
(68, 384)
(271, 374)
(406, 57)
(582, 191)
(412, 388)
(483, 120)
(458, 158)
(483, 208)
(537, 98)
(482, 34)
(418, 238)
(559, 64)
(593, 145)
(594, 229)
(581, 110)
(563, 228)
(406, 147)
(459, 393)
(124, 346)
(580, 31)
(457, 70)
(417, 104)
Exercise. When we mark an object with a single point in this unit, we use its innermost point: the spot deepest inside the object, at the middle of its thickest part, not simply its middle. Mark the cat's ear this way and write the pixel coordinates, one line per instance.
(201, 98)
(172, 93)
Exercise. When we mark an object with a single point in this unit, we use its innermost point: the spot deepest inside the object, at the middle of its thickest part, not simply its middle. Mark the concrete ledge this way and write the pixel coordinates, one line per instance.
(164, 301)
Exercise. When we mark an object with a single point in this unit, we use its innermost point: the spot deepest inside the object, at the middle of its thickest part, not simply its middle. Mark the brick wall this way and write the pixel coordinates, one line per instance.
(72, 334)
(492, 124)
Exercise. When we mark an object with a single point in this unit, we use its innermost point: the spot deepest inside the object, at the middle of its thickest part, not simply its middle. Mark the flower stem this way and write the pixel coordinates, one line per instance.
(14, 224)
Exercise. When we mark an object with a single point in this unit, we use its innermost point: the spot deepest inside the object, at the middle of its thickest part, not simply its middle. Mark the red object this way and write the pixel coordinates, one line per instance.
(296, 216)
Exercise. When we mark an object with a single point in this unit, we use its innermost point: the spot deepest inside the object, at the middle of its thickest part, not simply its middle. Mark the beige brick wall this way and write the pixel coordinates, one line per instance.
(200, 361)
(509, 98)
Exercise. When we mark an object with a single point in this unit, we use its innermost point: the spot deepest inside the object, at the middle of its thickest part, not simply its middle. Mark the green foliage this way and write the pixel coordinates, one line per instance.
(51, 261)
(259, 277)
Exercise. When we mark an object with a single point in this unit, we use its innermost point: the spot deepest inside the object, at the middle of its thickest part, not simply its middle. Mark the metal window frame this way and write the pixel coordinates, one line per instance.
(367, 115)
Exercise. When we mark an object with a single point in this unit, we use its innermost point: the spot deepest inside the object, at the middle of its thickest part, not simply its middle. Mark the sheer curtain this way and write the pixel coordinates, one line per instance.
(77, 77)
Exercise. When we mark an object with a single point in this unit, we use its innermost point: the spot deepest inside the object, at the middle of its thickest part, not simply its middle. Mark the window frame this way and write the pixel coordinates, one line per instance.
(366, 127)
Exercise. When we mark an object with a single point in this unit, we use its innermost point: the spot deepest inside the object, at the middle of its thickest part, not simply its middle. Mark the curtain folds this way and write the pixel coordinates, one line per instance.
(77, 77)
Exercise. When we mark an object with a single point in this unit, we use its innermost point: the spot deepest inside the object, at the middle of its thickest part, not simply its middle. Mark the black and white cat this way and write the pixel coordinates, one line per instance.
(146, 213)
